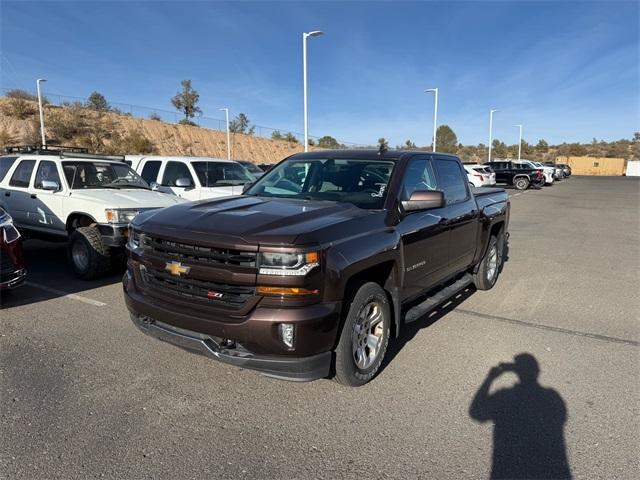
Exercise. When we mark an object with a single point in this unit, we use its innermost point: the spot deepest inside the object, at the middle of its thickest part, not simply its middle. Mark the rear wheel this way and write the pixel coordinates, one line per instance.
(490, 265)
(87, 254)
(521, 183)
(364, 337)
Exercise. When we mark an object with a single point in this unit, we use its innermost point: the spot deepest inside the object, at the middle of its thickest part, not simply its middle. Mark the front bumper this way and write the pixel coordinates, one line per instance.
(301, 369)
(113, 234)
(254, 338)
(14, 280)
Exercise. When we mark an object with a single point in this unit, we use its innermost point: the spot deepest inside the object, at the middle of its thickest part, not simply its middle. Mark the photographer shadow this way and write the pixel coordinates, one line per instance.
(529, 419)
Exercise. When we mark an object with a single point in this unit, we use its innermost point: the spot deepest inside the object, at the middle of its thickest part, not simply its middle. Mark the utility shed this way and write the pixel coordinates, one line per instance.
(594, 165)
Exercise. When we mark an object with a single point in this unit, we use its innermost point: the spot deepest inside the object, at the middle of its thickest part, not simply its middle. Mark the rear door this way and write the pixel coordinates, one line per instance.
(462, 213)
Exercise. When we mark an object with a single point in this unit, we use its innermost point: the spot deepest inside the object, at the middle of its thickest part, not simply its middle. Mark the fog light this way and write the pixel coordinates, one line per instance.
(286, 334)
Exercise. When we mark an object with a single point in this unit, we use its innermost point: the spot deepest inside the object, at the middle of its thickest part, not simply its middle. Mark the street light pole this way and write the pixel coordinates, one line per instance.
(38, 82)
(226, 115)
(435, 115)
(306, 35)
(491, 130)
(519, 141)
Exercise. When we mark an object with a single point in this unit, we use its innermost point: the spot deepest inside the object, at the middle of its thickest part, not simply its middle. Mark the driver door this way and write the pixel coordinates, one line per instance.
(425, 234)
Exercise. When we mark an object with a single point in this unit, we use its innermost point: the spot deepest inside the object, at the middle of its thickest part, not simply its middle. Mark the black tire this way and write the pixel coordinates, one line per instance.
(521, 183)
(86, 242)
(347, 370)
(487, 275)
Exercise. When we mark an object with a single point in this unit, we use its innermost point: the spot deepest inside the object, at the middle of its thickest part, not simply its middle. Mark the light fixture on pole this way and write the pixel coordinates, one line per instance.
(435, 115)
(491, 130)
(519, 141)
(226, 115)
(306, 35)
(38, 82)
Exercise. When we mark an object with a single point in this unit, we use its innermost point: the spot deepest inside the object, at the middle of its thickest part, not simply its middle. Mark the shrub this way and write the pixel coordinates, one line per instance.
(135, 142)
(185, 121)
(67, 123)
(97, 101)
(22, 95)
(155, 116)
(18, 108)
(290, 137)
(6, 139)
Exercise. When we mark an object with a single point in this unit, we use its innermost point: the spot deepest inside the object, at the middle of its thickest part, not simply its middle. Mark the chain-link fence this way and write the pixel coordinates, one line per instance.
(174, 117)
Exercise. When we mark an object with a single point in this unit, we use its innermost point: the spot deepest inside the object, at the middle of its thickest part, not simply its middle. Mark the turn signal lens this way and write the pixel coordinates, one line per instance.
(286, 291)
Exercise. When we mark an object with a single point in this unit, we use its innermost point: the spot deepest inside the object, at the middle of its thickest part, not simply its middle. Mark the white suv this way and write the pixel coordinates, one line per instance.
(480, 175)
(192, 178)
(89, 200)
(548, 172)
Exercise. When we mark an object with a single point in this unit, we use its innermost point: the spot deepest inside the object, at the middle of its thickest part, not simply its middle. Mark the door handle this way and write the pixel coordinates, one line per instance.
(7, 194)
(33, 195)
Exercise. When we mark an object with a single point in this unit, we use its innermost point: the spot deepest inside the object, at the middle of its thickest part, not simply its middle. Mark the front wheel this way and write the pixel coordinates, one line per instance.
(365, 336)
(487, 275)
(87, 254)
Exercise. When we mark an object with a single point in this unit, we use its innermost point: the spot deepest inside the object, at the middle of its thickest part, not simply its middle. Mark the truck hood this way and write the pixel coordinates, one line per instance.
(246, 220)
(126, 198)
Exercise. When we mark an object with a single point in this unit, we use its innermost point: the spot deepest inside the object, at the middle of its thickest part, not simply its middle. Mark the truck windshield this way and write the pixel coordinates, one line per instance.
(360, 182)
(87, 174)
(221, 174)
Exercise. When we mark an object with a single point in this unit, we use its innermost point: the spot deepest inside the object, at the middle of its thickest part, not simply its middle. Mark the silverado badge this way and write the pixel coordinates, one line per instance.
(176, 268)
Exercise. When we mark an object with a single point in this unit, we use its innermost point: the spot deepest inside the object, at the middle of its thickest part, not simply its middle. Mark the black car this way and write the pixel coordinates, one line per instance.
(519, 175)
(254, 169)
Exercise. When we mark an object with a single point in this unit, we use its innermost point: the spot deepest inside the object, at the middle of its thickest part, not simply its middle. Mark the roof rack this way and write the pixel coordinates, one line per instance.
(43, 149)
(94, 156)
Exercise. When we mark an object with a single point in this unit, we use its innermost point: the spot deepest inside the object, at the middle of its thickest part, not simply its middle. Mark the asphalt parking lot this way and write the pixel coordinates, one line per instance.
(84, 394)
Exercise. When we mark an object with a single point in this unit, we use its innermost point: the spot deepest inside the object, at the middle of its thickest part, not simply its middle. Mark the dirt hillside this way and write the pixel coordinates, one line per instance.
(105, 131)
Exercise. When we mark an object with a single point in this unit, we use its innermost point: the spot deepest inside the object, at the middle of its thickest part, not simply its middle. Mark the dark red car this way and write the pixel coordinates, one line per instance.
(12, 268)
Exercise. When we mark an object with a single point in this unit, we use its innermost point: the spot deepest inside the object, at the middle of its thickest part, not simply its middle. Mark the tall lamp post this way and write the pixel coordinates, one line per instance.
(38, 82)
(435, 115)
(226, 116)
(306, 35)
(491, 130)
(519, 141)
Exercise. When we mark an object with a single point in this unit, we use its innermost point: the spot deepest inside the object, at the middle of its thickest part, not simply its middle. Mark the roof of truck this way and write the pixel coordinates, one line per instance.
(366, 154)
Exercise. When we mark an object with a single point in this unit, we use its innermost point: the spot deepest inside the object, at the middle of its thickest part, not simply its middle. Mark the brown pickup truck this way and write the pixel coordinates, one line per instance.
(311, 271)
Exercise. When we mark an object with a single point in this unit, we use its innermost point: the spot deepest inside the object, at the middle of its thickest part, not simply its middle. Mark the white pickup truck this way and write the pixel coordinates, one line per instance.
(192, 178)
(87, 200)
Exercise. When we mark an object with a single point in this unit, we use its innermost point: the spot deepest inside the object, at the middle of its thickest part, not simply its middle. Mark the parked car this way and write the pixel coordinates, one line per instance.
(519, 175)
(548, 172)
(480, 175)
(192, 178)
(86, 200)
(566, 169)
(12, 269)
(558, 171)
(254, 169)
(318, 264)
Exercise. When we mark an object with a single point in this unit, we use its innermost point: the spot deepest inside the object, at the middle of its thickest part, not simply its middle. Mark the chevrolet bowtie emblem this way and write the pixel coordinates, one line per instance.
(176, 268)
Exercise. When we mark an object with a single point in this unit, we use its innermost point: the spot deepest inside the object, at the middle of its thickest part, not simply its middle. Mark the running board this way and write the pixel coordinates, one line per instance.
(439, 297)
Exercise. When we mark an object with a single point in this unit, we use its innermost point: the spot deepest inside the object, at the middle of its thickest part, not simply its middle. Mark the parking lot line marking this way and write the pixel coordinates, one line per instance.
(71, 296)
(578, 333)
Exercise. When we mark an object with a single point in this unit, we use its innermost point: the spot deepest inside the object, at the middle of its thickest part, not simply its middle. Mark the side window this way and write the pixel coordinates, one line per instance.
(174, 171)
(22, 174)
(150, 171)
(5, 165)
(418, 177)
(451, 181)
(47, 171)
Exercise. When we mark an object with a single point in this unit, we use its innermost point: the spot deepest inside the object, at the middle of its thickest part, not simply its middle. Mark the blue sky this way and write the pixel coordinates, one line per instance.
(568, 71)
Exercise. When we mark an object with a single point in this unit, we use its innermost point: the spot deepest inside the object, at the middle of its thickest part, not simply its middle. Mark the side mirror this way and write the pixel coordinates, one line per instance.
(423, 200)
(50, 185)
(154, 186)
(247, 186)
(184, 182)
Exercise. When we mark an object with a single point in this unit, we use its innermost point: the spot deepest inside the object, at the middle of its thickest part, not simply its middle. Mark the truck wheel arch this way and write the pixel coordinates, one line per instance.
(78, 219)
(385, 275)
(495, 230)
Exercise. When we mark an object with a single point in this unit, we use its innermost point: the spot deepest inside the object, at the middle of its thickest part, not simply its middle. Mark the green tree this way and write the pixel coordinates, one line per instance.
(98, 102)
(240, 124)
(186, 101)
(446, 139)
(290, 137)
(276, 135)
(409, 145)
(383, 144)
(328, 142)
(498, 149)
(542, 146)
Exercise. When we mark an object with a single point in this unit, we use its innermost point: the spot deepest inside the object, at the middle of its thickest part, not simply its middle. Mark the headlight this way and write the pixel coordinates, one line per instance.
(135, 240)
(287, 263)
(9, 233)
(120, 215)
